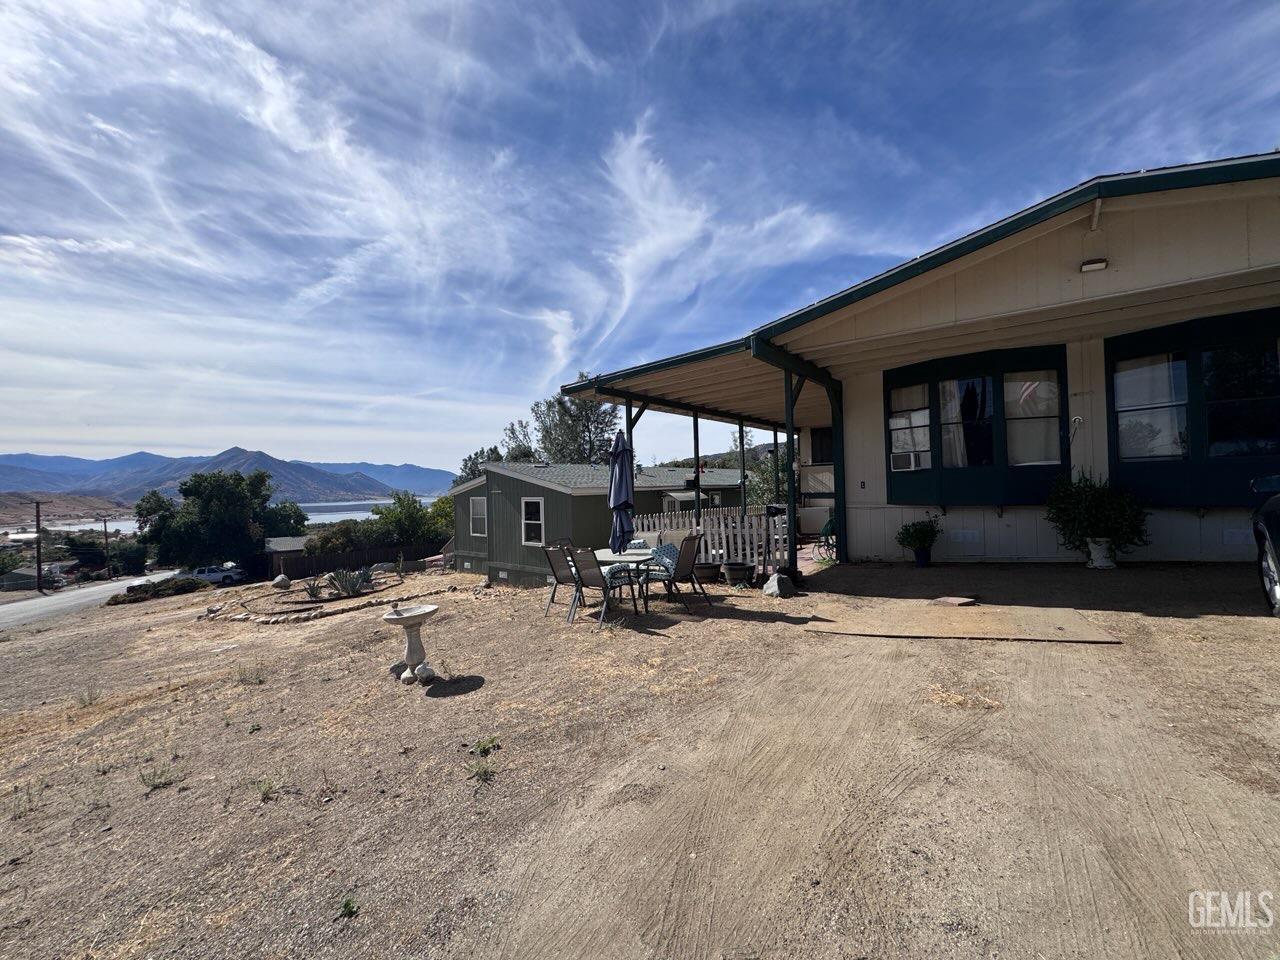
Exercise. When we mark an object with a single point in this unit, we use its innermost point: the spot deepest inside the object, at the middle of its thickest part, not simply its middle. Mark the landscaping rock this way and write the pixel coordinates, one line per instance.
(953, 601)
(407, 678)
(779, 585)
(398, 668)
(282, 582)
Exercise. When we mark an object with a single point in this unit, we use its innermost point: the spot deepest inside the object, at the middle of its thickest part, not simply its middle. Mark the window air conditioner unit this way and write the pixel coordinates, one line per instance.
(899, 462)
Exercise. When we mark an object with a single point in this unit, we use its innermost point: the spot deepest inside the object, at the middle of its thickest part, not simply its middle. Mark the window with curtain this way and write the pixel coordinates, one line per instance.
(1151, 407)
(909, 428)
(1032, 412)
(965, 411)
(1242, 399)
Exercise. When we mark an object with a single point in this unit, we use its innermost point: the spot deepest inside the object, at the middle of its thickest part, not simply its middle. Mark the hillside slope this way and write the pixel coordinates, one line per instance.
(427, 481)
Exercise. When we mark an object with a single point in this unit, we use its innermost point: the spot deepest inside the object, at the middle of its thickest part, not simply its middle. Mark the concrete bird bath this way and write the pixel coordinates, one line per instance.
(415, 658)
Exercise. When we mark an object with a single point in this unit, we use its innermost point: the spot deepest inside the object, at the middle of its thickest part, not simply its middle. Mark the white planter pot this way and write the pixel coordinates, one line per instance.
(1100, 555)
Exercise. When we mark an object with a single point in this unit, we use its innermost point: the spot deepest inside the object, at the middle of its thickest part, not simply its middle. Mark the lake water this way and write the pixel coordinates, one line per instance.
(316, 513)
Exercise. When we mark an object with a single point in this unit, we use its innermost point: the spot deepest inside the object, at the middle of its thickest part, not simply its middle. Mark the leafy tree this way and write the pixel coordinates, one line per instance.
(345, 536)
(575, 429)
(517, 444)
(128, 556)
(284, 519)
(405, 519)
(85, 547)
(472, 463)
(441, 516)
(223, 516)
(9, 560)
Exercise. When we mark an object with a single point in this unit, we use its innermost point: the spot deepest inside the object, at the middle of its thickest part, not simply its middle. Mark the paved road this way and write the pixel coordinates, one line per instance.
(65, 601)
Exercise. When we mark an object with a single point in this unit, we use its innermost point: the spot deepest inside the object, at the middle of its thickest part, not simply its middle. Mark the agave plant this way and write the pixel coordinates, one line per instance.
(366, 576)
(348, 583)
(314, 588)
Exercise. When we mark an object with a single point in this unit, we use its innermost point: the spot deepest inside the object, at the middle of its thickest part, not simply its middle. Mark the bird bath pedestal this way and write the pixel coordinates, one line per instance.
(415, 658)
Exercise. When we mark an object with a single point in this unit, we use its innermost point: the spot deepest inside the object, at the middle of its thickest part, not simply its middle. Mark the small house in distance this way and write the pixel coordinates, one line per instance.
(504, 517)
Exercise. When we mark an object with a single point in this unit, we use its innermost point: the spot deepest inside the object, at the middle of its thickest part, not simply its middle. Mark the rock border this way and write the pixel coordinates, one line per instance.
(221, 613)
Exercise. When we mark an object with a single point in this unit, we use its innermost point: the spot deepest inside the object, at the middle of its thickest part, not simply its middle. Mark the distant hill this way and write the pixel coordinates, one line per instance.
(426, 481)
(127, 478)
(16, 508)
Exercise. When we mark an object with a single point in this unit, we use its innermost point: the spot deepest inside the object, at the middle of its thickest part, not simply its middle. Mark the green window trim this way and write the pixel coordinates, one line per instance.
(997, 483)
(1195, 479)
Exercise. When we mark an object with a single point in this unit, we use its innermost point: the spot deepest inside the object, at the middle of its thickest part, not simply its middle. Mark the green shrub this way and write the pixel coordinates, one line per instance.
(156, 589)
(920, 534)
(1084, 509)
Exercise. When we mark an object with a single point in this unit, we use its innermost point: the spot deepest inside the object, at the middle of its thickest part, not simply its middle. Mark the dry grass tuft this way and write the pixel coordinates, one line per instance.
(942, 697)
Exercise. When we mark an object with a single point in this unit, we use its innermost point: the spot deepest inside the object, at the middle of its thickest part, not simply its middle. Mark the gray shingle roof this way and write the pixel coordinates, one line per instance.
(285, 544)
(584, 476)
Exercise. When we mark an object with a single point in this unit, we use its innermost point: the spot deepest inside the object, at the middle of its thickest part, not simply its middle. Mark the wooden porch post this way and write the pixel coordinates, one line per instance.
(777, 474)
(697, 476)
(631, 448)
(789, 406)
(742, 466)
(835, 394)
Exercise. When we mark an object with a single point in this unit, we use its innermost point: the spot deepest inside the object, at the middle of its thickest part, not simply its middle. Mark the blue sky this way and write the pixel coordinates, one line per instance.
(380, 230)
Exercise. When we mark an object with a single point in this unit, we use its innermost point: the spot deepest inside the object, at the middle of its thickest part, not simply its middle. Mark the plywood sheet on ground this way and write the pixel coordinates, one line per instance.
(920, 620)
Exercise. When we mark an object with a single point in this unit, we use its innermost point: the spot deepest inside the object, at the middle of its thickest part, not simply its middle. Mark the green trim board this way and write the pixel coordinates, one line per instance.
(996, 484)
(1195, 480)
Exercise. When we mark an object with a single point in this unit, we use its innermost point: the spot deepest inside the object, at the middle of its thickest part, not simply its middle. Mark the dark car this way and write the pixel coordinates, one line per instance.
(1266, 529)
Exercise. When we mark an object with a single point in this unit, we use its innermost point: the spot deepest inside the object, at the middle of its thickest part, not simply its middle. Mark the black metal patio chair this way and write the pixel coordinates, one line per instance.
(563, 572)
(681, 571)
(592, 577)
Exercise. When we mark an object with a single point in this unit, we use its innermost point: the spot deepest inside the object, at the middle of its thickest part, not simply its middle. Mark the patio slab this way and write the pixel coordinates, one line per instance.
(918, 620)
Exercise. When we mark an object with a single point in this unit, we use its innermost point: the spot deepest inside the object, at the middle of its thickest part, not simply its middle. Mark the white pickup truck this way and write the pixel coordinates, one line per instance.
(230, 574)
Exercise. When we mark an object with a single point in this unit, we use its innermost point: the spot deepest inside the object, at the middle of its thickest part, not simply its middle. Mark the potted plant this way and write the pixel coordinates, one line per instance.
(1096, 519)
(919, 536)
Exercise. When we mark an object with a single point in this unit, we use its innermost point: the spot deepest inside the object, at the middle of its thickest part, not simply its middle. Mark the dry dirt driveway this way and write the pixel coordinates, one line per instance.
(728, 786)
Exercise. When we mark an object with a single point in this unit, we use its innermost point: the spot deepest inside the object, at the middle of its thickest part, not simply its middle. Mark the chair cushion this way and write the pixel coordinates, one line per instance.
(666, 555)
(638, 544)
(618, 573)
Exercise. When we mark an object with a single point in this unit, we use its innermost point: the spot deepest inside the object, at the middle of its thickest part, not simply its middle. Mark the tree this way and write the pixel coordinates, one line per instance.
(284, 519)
(575, 429)
(9, 560)
(472, 464)
(405, 520)
(128, 556)
(223, 516)
(517, 444)
(441, 516)
(346, 536)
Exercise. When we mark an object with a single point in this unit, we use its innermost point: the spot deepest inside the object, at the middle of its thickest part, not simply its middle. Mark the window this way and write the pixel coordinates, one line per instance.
(821, 445)
(1242, 400)
(531, 520)
(965, 412)
(479, 517)
(1195, 409)
(1151, 407)
(1032, 415)
(985, 428)
(909, 428)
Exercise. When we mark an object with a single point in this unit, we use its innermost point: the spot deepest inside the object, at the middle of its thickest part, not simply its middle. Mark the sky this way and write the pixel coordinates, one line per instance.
(379, 231)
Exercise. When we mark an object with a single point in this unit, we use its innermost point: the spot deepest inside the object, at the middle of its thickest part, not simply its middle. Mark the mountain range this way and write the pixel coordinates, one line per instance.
(127, 478)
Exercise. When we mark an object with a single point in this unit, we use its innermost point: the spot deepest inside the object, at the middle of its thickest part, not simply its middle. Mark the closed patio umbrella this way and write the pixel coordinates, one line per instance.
(621, 494)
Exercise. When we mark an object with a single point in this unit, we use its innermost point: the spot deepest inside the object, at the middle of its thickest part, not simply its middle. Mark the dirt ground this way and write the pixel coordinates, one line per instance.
(727, 784)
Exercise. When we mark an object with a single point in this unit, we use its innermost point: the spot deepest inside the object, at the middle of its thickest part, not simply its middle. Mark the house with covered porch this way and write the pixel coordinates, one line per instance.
(1127, 327)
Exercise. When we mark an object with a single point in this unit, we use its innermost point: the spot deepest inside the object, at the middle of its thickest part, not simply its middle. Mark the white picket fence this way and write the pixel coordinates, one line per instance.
(727, 536)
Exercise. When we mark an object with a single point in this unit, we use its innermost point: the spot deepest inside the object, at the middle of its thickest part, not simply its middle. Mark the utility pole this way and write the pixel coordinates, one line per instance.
(39, 552)
(106, 546)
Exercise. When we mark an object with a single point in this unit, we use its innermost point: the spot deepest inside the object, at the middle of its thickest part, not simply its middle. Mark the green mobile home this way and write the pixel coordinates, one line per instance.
(504, 517)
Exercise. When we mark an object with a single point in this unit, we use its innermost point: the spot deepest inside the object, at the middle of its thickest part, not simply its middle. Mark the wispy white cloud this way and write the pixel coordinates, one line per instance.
(383, 230)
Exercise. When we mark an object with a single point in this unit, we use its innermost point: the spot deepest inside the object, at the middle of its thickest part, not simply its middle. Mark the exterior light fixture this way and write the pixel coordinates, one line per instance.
(1091, 265)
